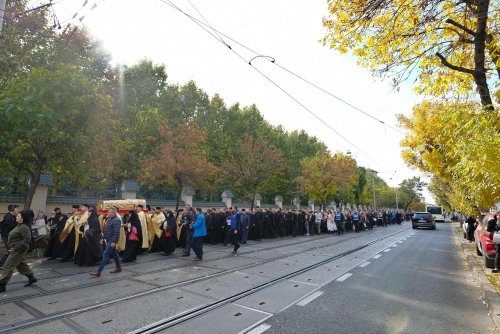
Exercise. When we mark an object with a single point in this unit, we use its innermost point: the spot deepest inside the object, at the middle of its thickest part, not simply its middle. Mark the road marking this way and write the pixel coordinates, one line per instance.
(260, 329)
(309, 299)
(387, 250)
(344, 277)
(395, 245)
(362, 265)
(252, 309)
(307, 283)
(377, 256)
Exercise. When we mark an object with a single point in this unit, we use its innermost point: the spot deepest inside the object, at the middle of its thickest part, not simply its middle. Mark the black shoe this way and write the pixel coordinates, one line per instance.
(185, 254)
(494, 271)
(31, 280)
(2, 288)
(233, 253)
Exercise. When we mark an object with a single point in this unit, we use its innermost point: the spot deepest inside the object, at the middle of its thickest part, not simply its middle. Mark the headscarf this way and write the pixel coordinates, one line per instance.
(27, 216)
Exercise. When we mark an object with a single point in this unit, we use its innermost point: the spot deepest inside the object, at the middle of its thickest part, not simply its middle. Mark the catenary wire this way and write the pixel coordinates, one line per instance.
(199, 23)
(272, 60)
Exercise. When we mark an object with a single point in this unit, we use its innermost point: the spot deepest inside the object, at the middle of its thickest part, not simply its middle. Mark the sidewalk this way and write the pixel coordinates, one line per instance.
(489, 283)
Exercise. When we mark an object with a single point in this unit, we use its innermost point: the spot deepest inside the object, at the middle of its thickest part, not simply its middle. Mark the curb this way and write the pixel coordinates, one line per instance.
(490, 295)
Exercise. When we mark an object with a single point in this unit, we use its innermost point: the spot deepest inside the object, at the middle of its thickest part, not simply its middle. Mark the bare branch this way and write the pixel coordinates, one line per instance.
(461, 26)
(453, 67)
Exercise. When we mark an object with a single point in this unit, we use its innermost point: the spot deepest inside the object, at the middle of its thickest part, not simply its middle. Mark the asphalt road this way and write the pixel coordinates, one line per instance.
(389, 280)
(420, 286)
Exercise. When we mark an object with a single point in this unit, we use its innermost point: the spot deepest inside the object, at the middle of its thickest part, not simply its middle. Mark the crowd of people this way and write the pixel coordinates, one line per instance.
(88, 237)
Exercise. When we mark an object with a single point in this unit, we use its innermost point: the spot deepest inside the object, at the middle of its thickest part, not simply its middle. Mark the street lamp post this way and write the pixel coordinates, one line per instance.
(373, 172)
(397, 205)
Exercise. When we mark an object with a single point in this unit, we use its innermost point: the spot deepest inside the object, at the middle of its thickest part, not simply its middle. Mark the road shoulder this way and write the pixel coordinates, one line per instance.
(480, 274)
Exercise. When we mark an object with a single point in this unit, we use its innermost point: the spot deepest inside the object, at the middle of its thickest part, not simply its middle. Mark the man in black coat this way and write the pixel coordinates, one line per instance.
(258, 223)
(209, 222)
(6, 225)
(57, 223)
(471, 227)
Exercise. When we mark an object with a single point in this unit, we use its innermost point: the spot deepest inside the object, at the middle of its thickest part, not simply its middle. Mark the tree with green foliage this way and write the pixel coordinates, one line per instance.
(49, 117)
(251, 163)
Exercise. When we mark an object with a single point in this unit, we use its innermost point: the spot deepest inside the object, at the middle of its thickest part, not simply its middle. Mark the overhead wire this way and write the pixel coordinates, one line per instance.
(273, 61)
(203, 26)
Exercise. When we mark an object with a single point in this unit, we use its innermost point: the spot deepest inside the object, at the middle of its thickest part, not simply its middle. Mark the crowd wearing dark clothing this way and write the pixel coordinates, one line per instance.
(88, 239)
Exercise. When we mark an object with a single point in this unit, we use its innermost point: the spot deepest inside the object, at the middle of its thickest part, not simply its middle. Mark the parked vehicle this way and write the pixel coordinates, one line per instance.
(484, 244)
(423, 219)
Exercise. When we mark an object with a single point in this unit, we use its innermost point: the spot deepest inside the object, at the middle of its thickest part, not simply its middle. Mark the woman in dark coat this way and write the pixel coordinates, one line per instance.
(90, 249)
(57, 224)
(182, 219)
(133, 231)
(168, 238)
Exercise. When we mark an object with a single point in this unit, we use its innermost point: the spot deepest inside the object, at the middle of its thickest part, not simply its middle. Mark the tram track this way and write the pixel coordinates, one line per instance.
(185, 316)
(193, 313)
(94, 282)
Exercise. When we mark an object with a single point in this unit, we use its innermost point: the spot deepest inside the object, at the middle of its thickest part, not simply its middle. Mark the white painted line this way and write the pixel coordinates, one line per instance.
(260, 329)
(309, 299)
(395, 245)
(344, 277)
(387, 250)
(362, 265)
(377, 256)
(306, 283)
(252, 309)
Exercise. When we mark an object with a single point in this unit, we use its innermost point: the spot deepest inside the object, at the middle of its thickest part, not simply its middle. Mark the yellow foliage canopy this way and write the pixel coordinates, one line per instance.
(451, 47)
(325, 175)
(460, 145)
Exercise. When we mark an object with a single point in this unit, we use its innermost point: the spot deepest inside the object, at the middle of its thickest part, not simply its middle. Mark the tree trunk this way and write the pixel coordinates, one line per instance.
(35, 180)
(253, 199)
(408, 204)
(177, 200)
(53, 190)
(479, 55)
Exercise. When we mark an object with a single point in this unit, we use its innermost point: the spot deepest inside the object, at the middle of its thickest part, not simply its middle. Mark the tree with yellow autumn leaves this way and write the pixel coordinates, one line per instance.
(459, 145)
(452, 51)
(451, 47)
(326, 175)
(179, 159)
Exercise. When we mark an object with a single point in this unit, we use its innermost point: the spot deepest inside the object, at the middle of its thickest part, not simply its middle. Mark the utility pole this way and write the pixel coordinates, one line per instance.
(2, 13)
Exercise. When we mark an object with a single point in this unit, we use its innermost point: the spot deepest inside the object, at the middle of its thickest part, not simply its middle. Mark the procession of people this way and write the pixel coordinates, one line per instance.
(89, 238)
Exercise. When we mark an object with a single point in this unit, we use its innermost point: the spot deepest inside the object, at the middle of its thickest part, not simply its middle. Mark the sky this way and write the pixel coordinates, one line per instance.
(287, 30)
